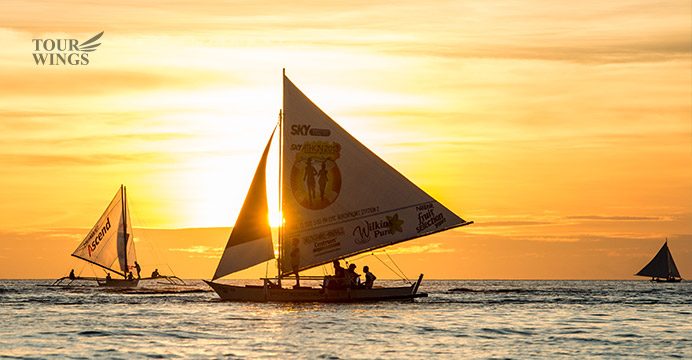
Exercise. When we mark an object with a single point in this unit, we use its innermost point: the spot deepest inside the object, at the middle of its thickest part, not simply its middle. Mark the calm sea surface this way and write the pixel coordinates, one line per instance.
(459, 320)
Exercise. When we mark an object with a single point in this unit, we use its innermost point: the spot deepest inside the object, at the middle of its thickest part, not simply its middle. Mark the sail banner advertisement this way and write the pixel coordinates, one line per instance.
(250, 242)
(100, 246)
(341, 199)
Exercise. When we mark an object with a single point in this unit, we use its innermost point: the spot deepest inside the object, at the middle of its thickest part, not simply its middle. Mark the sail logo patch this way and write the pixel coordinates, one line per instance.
(64, 51)
(315, 175)
(427, 217)
(98, 236)
(303, 130)
(373, 229)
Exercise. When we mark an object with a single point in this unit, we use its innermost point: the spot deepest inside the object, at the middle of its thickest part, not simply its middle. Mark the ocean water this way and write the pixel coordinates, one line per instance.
(459, 320)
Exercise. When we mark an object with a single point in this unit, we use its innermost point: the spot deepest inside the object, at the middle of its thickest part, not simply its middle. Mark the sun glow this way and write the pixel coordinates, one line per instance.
(275, 218)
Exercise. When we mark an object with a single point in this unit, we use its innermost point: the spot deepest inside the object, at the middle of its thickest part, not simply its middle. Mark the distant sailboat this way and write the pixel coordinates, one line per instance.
(109, 245)
(338, 199)
(662, 267)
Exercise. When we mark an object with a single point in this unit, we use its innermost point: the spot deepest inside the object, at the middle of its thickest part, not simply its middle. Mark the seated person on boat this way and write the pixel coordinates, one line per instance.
(369, 278)
(352, 278)
(337, 281)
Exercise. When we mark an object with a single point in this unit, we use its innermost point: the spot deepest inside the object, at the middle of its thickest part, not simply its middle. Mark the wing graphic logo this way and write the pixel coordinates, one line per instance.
(64, 51)
(89, 46)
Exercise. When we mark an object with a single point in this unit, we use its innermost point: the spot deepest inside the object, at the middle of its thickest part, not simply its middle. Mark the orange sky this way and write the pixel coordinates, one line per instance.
(563, 130)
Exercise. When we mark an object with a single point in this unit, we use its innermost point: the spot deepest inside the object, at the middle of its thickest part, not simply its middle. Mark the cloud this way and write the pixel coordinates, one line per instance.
(512, 223)
(417, 249)
(201, 251)
(66, 82)
(617, 218)
(90, 160)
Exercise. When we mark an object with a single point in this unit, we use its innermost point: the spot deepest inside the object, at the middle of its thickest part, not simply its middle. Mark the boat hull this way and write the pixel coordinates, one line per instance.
(118, 282)
(667, 280)
(306, 294)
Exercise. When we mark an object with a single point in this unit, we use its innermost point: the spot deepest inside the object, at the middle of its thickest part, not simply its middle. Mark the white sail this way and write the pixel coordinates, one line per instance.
(126, 244)
(341, 199)
(108, 244)
(250, 242)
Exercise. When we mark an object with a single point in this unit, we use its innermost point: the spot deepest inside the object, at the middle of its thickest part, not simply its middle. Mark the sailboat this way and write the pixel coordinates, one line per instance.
(337, 199)
(662, 267)
(110, 245)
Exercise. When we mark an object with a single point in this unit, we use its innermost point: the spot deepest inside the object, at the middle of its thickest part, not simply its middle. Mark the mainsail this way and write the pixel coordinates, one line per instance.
(339, 198)
(250, 242)
(661, 266)
(109, 243)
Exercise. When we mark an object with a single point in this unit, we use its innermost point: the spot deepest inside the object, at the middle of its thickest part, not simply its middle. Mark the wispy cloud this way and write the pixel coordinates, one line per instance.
(417, 249)
(617, 218)
(201, 251)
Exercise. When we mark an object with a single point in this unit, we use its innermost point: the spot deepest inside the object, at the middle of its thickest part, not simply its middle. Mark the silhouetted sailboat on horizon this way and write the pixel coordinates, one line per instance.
(662, 267)
(110, 246)
(338, 199)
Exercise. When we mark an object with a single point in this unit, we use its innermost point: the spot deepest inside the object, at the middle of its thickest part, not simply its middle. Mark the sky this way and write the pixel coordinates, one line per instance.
(563, 130)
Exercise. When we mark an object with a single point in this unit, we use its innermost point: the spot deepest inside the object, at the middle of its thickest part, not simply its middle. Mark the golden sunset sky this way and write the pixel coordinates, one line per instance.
(562, 129)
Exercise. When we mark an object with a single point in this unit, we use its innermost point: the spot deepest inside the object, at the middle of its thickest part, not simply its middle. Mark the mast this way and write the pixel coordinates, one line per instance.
(124, 197)
(281, 215)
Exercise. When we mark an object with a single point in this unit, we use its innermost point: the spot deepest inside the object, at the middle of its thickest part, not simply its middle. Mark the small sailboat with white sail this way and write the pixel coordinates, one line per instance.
(110, 246)
(662, 267)
(337, 199)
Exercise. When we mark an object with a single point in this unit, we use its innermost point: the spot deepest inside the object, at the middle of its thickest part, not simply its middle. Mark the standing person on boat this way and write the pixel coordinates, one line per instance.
(72, 277)
(352, 278)
(138, 268)
(309, 178)
(108, 277)
(369, 277)
(295, 260)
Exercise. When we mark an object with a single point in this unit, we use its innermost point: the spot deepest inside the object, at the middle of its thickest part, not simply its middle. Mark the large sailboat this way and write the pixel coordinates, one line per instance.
(337, 199)
(662, 267)
(110, 246)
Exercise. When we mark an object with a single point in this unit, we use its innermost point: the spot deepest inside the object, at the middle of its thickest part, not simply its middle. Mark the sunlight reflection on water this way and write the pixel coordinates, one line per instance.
(479, 319)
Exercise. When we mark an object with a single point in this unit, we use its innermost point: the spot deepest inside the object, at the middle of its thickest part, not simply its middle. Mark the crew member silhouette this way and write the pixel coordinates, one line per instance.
(138, 268)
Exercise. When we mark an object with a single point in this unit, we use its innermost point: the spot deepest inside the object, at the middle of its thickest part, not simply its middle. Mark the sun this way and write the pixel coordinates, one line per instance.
(275, 218)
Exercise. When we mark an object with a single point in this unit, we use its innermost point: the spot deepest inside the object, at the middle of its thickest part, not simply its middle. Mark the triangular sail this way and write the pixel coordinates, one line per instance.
(341, 199)
(250, 242)
(106, 242)
(661, 266)
(126, 244)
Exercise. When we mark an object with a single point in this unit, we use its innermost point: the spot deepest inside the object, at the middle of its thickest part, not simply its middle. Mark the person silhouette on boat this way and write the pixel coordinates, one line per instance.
(338, 270)
(129, 276)
(155, 273)
(369, 278)
(72, 277)
(352, 278)
(336, 281)
(295, 260)
(322, 178)
(309, 178)
(138, 268)
(108, 277)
